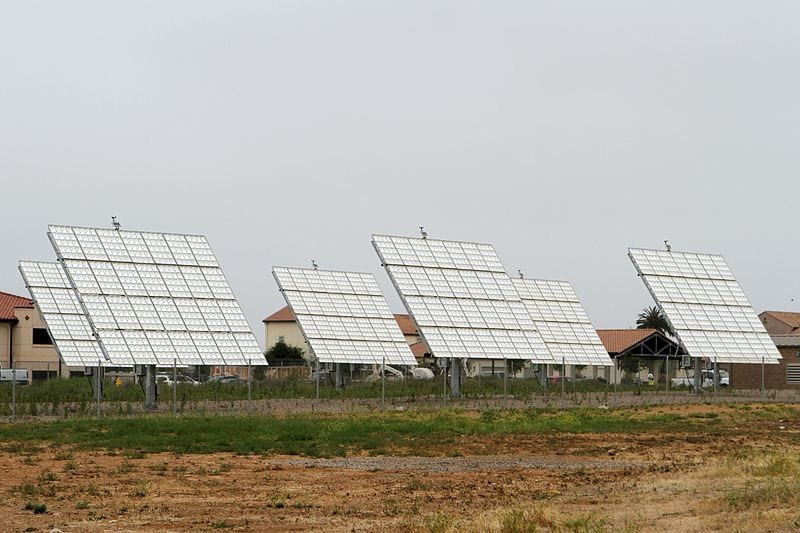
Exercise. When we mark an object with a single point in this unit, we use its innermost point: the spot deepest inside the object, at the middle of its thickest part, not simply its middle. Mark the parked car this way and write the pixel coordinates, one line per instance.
(228, 378)
(182, 379)
(20, 375)
(559, 379)
(708, 379)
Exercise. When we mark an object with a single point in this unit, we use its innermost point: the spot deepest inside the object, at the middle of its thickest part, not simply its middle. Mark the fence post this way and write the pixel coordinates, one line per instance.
(175, 387)
(383, 381)
(13, 391)
(97, 384)
(249, 384)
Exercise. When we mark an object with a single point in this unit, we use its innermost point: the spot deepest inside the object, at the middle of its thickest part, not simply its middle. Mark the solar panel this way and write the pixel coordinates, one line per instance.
(461, 298)
(560, 318)
(63, 315)
(705, 305)
(343, 316)
(155, 297)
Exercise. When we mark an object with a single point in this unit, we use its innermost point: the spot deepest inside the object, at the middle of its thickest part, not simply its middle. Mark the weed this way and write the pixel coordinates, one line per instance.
(127, 467)
(28, 461)
(438, 522)
(523, 520)
(222, 524)
(25, 490)
(82, 504)
(36, 507)
(69, 466)
(46, 476)
(141, 490)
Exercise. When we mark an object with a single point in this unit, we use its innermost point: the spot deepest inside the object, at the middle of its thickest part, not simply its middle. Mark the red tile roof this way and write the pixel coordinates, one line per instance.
(284, 314)
(787, 317)
(10, 301)
(419, 349)
(407, 325)
(618, 340)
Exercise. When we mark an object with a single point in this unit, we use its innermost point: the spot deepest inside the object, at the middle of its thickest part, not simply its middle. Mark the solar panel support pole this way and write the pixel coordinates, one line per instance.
(666, 372)
(563, 375)
(339, 376)
(715, 377)
(150, 396)
(763, 388)
(455, 377)
(13, 391)
(698, 375)
(616, 363)
(98, 393)
(174, 386)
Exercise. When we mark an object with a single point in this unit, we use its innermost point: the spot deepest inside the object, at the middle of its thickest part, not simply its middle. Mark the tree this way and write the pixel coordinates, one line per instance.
(281, 350)
(653, 318)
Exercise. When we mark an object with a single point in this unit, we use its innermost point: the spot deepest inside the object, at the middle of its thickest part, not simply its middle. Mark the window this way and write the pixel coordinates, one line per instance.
(40, 336)
(793, 374)
(280, 339)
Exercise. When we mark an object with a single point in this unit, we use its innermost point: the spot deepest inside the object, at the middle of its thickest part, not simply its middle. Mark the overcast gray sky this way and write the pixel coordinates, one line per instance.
(561, 132)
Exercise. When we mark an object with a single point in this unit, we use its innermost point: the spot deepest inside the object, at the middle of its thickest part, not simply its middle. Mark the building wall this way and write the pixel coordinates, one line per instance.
(749, 376)
(34, 357)
(291, 334)
(5, 330)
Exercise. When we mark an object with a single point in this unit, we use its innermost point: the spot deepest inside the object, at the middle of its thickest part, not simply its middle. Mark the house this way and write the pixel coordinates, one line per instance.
(281, 326)
(784, 328)
(24, 340)
(651, 347)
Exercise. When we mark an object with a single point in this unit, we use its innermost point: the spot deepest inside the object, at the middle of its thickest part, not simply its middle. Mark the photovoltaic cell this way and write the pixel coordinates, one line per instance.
(705, 305)
(343, 316)
(461, 298)
(62, 313)
(560, 318)
(153, 297)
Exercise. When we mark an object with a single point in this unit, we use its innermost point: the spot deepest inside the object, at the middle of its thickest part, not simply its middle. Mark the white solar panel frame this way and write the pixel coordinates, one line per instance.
(461, 298)
(562, 321)
(155, 297)
(705, 305)
(63, 315)
(343, 316)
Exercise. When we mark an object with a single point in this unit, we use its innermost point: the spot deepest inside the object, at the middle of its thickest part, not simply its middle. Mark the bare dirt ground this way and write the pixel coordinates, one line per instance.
(562, 482)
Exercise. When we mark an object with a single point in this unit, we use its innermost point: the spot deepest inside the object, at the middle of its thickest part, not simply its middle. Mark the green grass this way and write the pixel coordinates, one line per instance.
(332, 435)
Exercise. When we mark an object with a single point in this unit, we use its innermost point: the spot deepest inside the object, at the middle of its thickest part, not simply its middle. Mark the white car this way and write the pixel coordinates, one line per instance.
(708, 379)
(183, 379)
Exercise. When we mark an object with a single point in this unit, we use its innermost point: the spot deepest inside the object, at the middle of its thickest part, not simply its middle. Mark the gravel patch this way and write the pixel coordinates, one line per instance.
(457, 464)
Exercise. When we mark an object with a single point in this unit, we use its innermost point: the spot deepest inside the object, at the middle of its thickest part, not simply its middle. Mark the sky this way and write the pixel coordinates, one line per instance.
(560, 132)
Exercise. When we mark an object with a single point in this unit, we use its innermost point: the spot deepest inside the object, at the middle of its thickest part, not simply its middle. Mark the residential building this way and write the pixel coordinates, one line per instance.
(784, 328)
(24, 340)
(651, 347)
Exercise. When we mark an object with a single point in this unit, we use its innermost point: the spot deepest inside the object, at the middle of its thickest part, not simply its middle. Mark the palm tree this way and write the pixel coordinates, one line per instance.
(653, 318)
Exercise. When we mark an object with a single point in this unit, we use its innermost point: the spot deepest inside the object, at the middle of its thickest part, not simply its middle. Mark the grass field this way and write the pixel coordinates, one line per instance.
(702, 468)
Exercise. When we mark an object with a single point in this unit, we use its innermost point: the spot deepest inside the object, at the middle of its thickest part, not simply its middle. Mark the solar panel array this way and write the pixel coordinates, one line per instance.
(705, 305)
(62, 313)
(461, 298)
(344, 316)
(152, 297)
(562, 321)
